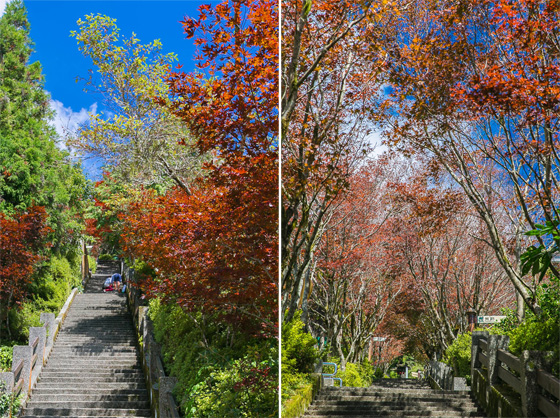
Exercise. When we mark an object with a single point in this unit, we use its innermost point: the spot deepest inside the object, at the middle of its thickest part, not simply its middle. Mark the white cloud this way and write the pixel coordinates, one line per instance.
(66, 122)
(376, 142)
(3, 6)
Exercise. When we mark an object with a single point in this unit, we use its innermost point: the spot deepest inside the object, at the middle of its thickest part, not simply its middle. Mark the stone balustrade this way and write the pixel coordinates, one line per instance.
(507, 386)
(28, 360)
(159, 385)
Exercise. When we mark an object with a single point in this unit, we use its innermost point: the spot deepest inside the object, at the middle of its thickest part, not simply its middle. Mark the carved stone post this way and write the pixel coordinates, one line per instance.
(531, 361)
(47, 319)
(41, 333)
(495, 343)
(166, 385)
(475, 349)
(8, 379)
(23, 352)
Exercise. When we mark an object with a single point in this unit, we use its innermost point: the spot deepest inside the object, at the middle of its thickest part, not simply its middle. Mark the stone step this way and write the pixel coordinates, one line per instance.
(93, 374)
(379, 403)
(95, 397)
(86, 412)
(145, 404)
(91, 379)
(116, 356)
(445, 414)
(50, 391)
(388, 409)
(92, 385)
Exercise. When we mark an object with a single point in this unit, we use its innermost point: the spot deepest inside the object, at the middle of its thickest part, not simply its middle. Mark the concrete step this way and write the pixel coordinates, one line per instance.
(86, 412)
(145, 404)
(93, 397)
(91, 379)
(108, 386)
(92, 374)
(50, 391)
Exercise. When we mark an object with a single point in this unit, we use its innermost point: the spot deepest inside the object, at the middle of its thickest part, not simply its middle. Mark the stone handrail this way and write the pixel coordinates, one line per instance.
(506, 385)
(441, 377)
(160, 386)
(28, 360)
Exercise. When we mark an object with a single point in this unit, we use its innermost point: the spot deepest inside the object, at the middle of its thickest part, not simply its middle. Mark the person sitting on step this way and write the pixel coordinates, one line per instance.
(117, 281)
(108, 285)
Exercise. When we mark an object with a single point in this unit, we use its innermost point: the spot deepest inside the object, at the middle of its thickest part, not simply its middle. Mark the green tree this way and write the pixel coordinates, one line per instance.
(33, 170)
(142, 142)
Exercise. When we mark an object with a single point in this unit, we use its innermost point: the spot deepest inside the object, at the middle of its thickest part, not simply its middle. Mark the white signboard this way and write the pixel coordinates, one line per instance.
(489, 319)
(378, 338)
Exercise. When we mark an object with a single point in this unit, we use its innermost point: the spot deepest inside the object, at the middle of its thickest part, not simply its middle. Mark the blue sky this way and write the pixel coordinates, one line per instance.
(51, 23)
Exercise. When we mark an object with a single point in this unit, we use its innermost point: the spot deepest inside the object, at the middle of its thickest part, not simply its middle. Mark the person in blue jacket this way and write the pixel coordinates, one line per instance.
(113, 283)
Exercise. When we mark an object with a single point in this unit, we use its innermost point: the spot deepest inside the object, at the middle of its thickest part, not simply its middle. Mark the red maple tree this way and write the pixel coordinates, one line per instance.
(216, 248)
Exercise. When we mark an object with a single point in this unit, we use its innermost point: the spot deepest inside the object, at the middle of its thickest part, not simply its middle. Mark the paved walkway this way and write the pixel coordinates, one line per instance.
(93, 370)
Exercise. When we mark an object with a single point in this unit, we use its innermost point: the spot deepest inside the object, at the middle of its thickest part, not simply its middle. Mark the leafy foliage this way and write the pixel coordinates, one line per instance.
(142, 143)
(215, 248)
(6, 352)
(298, 348)
(537, 260)
(357, 374)
(458, 355)
(221, 372)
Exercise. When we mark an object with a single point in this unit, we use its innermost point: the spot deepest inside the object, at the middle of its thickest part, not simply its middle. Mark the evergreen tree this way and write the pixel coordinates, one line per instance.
(33, 170)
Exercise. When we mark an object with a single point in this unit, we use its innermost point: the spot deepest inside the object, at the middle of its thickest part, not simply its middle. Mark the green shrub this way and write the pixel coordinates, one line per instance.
(92, 264)
(8, 405)
(6, 352)
(220, 372)
(299, 354)
(355, 375)
(49, 290)
(106, 257)
(537, 335)
(458, 355)
(302, 398)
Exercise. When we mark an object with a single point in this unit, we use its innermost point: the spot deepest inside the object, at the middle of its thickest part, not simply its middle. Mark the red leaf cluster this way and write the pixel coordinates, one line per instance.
(216, 249)
(21, 239)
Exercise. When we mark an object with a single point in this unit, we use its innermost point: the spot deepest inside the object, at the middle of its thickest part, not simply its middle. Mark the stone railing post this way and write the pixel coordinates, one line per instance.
(23, 352)
(530, 362)
(475, 348)
(47, 319)
(166, 385)
(142, 319)
(495, 343)
(8, 379)
(155, 351)
(41, 333)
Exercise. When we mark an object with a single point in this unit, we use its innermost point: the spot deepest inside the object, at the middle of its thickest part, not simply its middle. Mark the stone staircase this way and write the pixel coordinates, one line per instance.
(392, 398)
(93, 370)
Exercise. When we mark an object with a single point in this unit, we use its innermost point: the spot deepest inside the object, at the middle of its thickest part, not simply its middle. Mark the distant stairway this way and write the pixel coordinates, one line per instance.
(392, 398)
(93, 370)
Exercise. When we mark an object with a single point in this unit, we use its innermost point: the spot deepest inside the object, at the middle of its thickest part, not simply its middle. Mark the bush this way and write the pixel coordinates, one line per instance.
(220, 372)
(92, 264)
(6, 352)
(357, 375)
(8, 405)
(106, 257)
(458, 355)
(50, 288)
(299, 354)
(540, 336)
